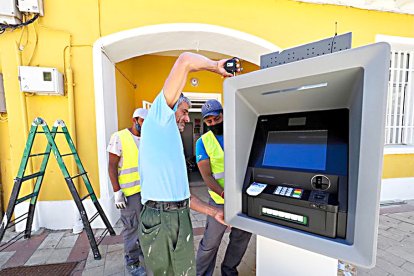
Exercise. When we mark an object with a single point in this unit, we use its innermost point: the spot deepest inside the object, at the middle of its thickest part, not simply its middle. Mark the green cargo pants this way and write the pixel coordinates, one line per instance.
(166, 239)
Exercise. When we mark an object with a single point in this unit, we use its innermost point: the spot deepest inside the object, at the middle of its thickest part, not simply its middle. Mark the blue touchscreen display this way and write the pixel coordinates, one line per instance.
(305, 149)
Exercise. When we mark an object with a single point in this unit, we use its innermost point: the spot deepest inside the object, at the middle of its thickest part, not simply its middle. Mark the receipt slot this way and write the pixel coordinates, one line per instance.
(304, 144)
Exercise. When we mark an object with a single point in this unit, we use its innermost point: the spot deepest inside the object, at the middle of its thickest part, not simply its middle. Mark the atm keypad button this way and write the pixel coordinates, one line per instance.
(294, 217)
(278, 189)
(300, 219)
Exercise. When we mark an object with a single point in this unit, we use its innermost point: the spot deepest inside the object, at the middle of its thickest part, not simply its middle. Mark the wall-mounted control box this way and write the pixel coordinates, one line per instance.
(32, 6)
(9, 13)
(41, 80)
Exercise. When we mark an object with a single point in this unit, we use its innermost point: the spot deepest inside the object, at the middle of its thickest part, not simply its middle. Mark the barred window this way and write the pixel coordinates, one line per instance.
(399, 128)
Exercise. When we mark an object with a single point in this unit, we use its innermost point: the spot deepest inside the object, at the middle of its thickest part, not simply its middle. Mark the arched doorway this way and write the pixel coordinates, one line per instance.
(127, 44)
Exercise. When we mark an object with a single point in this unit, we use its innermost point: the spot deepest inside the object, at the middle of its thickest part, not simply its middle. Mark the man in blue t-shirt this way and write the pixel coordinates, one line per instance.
(210, 161)
(165, 227)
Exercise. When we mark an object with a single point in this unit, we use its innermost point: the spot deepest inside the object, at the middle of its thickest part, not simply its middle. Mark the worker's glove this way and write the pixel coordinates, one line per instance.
(120, 200)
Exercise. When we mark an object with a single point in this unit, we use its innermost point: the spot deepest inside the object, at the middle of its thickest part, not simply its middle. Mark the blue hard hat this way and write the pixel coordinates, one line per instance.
(211, 108)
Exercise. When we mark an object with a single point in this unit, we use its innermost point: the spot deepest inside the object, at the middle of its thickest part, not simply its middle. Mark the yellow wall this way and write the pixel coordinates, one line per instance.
(125, 93)
(398, 166)
(79, 23)
(150, 72)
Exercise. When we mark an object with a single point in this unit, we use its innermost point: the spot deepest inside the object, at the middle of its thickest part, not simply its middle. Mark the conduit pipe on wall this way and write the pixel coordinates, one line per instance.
(23, 106)
(77, 224)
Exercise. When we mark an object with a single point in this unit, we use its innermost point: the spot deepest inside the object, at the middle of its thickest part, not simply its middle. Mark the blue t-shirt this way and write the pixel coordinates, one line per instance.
(201, 153)
(162, 164)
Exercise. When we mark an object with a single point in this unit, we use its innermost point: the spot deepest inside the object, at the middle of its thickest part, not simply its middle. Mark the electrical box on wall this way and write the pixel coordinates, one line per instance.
(32, 6)
(41, 80)
(9, 13)
(2, 97)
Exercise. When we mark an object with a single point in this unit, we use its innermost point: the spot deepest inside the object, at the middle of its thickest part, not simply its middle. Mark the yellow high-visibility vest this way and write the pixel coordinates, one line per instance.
(216, 155)
(128, 175)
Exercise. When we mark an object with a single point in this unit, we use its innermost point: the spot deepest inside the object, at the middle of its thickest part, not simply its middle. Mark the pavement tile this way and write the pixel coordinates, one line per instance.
(27, 248)
(376, 271)
(384, 242)
(402, 252)
(386, 220)
(114, 263)
(401, 217)
(94, 271)
(52, 240)
(67, 241)
(394, 259)
(409, 266)
(200, 217)
(115, 247)
(5, 256)
(59, 255)
(406, 227)
(40, 256)
(390, 268)
(389, 234)
(398, 232)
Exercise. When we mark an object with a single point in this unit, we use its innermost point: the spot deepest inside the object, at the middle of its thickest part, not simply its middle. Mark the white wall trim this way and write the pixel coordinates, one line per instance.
(398, 43)
(398, 149)
(59, 215)
(148, 40)
(397, 189)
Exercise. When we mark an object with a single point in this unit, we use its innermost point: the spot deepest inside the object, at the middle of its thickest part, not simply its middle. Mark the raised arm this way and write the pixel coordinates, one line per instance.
(189, 62)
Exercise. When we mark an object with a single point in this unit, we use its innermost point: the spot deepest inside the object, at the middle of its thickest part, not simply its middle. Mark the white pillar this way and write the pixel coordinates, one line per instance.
(276, 258)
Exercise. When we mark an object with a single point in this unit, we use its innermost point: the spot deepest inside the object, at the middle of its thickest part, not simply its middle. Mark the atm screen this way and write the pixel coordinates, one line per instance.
(304, 149)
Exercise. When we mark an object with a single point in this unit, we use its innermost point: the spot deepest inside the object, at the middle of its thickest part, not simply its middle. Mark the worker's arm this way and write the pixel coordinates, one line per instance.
(186, 63)
(113, 171)
(198, 205)
(211, 182)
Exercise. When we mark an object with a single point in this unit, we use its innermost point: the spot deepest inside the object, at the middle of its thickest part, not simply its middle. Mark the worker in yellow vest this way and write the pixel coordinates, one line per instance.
(210, 161)
(123, 151)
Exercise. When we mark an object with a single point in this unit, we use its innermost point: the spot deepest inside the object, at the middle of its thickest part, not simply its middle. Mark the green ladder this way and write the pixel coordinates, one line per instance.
(14, 200)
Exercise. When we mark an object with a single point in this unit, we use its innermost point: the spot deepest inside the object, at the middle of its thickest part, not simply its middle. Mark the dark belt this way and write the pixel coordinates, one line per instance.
(167, 205)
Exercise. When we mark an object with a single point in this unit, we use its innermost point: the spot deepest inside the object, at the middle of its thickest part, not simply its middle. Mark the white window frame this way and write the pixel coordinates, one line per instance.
(399, 45)
(203, 97)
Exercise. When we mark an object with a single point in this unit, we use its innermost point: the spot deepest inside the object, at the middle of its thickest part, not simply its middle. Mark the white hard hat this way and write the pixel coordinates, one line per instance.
(140, 112)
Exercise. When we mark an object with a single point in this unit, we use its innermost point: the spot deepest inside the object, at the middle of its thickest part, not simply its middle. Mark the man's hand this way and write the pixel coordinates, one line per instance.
(120, 200)
(222, 71)
(219, 216)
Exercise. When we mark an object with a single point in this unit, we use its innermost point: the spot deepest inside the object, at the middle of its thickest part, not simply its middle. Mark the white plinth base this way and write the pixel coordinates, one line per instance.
(276, 258)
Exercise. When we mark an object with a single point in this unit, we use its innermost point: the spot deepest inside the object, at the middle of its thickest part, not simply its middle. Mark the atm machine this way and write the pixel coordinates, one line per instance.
(304, 151)
(302, 158)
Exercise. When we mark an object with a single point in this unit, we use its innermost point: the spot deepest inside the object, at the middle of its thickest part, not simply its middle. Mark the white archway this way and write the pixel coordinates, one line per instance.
(124, 45)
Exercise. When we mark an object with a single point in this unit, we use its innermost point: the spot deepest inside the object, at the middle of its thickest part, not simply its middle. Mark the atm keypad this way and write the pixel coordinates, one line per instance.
(289, 192)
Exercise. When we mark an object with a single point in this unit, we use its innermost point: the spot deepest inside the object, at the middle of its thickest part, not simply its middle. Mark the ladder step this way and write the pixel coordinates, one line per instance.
(50, 132)
(12, 241)
(85, 197)
(39, 154)
(17, 220)
(20, 200)
(102, 236)
(94, 217)
(72, 177)
(32, 176)
(66, 154)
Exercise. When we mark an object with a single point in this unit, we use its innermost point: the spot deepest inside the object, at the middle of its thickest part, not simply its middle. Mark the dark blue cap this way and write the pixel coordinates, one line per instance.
(211, 108)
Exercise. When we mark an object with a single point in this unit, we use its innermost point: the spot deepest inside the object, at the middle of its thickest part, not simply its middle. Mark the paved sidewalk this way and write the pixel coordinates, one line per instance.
(47, 246)
(395, 247)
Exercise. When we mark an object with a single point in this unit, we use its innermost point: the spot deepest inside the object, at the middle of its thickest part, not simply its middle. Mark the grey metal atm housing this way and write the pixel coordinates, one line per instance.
(337, 101)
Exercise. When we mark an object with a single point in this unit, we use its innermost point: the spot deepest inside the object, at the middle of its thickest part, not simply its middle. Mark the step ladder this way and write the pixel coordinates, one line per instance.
(18, 181)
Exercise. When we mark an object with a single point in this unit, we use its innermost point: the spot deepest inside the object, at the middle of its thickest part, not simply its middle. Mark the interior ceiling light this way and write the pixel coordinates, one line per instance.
(299, 88)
